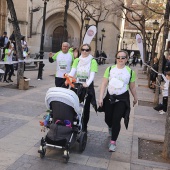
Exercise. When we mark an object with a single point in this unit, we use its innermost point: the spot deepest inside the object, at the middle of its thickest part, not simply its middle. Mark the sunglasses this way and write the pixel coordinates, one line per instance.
(87, 50)
(121, 57)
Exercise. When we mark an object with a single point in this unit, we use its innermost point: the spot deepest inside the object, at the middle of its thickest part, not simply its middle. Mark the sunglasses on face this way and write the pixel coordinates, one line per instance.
(121, 57)
(87, 50)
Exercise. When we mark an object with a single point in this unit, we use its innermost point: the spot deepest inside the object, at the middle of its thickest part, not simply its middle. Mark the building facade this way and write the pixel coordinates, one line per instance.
(30, 17)
(3, 16)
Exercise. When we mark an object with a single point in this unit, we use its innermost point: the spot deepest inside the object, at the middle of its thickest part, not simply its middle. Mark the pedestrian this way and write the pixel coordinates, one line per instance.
(64, 60)
(116, 104)
(153, 74)
(85, 68)
(165, 93)
(3, 42)
(167, 65)
(9, 68)
(75, 52)
(141, 63)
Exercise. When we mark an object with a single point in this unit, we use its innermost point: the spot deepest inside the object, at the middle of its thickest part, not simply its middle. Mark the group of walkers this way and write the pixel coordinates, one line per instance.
(117, 80)
(9, 54)
(162, 107)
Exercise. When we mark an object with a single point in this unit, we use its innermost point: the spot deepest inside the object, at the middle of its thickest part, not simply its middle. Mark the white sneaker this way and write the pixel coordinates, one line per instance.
(112, 148)
(161, 112)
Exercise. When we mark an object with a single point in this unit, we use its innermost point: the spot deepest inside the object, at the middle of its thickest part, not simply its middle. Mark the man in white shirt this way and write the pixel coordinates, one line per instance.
(64, 60)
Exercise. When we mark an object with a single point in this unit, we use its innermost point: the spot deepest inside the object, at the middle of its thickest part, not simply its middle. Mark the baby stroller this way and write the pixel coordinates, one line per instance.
(66, 126)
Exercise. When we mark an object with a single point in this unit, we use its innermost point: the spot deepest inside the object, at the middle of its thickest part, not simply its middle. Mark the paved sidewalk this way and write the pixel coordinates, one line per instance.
(21, 110)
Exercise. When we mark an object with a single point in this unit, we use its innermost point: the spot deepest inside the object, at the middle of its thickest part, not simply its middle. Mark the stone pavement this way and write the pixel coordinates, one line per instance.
(21, 110)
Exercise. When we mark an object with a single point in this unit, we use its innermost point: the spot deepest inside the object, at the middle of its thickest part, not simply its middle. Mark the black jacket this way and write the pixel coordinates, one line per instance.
(112, 98)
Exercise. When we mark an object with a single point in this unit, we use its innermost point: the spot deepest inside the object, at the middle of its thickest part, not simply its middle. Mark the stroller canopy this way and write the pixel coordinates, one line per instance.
(60, 94)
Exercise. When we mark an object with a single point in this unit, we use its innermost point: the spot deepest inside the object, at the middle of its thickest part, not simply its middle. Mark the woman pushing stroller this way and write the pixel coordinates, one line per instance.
(116, 104)
(85, 68)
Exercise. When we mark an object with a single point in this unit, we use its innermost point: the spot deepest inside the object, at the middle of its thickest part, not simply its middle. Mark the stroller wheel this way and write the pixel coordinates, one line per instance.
(66, 156)
(82, 141)
(42, 152)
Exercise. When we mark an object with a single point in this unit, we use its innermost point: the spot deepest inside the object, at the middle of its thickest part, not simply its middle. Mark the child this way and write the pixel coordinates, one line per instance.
(165, 92)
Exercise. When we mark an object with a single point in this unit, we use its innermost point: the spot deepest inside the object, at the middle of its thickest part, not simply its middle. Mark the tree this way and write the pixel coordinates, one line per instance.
(81, 6)
(17, 34)
(138, 19)
(65, 37)
(166, 146)
(96, 10)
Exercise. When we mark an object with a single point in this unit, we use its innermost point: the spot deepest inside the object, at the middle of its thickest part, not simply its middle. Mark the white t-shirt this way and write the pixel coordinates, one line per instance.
(118, 81)
(64, 62)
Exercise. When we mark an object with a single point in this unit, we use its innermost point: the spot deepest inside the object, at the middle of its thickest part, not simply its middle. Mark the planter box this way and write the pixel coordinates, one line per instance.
(24, 84)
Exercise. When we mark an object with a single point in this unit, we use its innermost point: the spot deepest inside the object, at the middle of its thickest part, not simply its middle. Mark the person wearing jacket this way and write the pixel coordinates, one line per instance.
(64, 60)
(119, 78)
(9, 68)
(85, 68)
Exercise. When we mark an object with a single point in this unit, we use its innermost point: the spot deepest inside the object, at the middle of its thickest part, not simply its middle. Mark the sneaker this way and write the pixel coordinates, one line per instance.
(161, 112)
(112, 147)
(110, 131)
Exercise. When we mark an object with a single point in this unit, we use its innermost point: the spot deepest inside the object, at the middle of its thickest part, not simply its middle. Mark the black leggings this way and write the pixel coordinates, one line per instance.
(113, 115)
(9, 68)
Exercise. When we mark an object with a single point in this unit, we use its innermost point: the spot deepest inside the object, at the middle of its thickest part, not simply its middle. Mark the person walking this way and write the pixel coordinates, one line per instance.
(85, 68)
(116, 104)
(9, 50)
(64, 60)
(153, 74)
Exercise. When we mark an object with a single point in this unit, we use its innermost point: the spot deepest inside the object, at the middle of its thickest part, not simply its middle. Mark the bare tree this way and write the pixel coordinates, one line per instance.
(17, 34)
(81, 6)
(96, 10)
(65, 37)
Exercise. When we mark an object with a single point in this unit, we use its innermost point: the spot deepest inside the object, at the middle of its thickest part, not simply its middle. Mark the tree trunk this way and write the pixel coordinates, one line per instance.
(96, 39)
(166, 147)
(65, 37)
(17, 34)
(165, 36)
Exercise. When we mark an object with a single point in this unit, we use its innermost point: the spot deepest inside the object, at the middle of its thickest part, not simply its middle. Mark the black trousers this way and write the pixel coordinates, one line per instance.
(165, 103)
(113, 115)
(9, 68)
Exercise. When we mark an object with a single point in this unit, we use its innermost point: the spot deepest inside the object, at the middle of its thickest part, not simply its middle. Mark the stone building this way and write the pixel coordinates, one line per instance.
(30, 17)
(3, 16)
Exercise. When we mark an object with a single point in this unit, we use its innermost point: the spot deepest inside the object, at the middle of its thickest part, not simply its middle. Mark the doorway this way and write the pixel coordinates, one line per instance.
(57, 39)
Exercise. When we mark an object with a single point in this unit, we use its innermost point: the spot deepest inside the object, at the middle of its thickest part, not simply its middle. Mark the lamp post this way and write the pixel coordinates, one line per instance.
(149, 35)
(41, 65)
(87, 20)
(103, 35)
(123, 45)
(132, 45)
(155, 27)
(126, 46)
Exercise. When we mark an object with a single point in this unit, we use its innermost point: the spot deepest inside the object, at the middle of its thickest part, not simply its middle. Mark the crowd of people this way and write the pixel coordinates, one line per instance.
(9, 54)
(162, 107)
(117, 81)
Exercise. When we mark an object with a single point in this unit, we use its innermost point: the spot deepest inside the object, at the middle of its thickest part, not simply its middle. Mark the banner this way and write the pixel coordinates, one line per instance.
(139, 43)
(90, 33)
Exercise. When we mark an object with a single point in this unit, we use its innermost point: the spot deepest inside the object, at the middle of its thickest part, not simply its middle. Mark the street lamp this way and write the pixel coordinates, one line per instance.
(103, 35)
(126, 46)
(123, 45)
(86, 20)
(41, 64)
(132, 45)
(155, 27)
